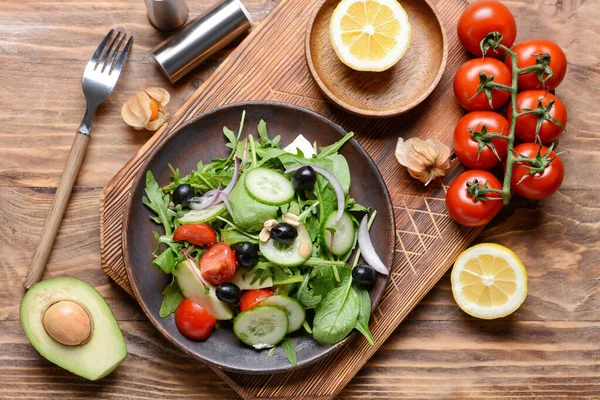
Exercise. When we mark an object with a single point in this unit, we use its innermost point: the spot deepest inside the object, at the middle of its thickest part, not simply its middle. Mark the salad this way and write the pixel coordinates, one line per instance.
(267, 238)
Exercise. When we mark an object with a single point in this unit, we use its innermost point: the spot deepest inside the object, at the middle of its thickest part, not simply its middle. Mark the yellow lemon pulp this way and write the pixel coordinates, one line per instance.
(489, 281)
(370, 35)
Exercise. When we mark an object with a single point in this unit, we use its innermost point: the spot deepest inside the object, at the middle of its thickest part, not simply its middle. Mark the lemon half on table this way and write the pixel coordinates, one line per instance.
(370, 35)
(489, 281)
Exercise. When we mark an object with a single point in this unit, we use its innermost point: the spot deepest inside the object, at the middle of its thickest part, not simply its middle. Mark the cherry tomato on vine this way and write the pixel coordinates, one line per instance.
(525, 125)
(466, 210)
(481, 18)
(198, 234)
(542, 184)
(193, 321)
(470, 135)
(467, 81)
(549, 54)
(218, 263)
(251, 298)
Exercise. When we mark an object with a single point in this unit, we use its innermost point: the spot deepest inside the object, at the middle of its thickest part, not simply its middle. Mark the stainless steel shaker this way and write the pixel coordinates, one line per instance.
(202, 37)
(167, 15)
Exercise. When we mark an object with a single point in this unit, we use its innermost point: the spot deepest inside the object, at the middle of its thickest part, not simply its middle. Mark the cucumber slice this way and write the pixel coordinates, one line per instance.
(198, 216)
(243, 279)
(344, 236)
(269, 186)
(261, 327)
(287, 255)
(294, 310)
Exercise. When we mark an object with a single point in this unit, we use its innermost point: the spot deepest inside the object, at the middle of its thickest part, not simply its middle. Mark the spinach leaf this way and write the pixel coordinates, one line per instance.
(323, 282)
(233, 236)
(339, 167)
(337, 314)
(167, 260)
(364, 313)
(249, 214)
(289, 349)
(171, 300)
(158, 202)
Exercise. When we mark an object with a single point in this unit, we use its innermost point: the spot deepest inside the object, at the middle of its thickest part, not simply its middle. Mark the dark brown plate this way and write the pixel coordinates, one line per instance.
(202, 139)
(380, 94)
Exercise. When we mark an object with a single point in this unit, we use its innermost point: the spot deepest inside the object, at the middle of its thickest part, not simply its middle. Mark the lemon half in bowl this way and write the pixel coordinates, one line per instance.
(370, 35)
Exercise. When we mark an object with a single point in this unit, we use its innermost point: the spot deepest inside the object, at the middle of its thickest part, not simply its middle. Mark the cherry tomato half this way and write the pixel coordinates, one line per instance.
(251, 298)
(466, 82)
(540, 185)
(466, 147)
(198, 234)
(481, 18)
(467, 211)
(193, 321)
(526, 124)
(527, 54)
(218, 263)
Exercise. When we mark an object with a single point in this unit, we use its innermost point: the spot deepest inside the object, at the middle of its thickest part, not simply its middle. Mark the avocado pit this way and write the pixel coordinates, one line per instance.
(68, 323)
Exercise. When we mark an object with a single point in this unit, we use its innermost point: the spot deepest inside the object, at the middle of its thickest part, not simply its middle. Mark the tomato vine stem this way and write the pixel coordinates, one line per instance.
(510, 158)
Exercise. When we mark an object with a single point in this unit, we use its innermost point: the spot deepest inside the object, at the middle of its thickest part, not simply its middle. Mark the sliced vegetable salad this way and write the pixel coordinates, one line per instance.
(265, 238)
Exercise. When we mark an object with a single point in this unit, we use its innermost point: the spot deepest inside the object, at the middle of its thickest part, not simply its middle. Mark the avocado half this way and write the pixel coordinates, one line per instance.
(103, 349)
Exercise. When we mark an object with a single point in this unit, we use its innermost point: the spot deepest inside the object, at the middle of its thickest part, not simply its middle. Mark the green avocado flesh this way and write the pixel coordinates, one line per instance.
(92, 360)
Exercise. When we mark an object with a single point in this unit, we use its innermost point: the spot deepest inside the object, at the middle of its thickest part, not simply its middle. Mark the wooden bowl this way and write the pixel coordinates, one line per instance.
(201, 139)
(387, 93)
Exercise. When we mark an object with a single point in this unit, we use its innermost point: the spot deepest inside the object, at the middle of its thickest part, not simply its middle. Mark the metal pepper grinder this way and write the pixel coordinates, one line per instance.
(167, 15)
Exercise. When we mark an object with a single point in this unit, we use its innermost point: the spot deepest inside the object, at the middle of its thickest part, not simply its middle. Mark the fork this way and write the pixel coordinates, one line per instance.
(99, 79)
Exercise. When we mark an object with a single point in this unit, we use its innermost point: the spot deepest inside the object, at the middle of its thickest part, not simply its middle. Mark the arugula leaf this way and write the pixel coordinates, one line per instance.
(230, 136)
(171, 300)
(262, 130)
(167, 260)
(353, 206)
(271, 351)
(158, 202)
(337, 314)
(249, 214)
(290, 350)
(364, 313)
(332, 149)
(306, 296)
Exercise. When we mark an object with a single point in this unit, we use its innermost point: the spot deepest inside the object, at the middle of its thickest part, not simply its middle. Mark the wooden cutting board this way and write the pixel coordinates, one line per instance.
(270, 64)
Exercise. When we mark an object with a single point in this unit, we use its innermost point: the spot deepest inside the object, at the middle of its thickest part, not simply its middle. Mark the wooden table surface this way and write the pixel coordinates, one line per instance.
(549, 348)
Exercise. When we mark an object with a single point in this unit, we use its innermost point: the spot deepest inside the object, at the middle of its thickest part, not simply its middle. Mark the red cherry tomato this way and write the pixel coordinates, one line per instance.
(526, 124)
(218, 263)
(467, 211)
(481, 18)
(251, 298)
(527, 54)
(466, 82)
(198, 234)
(193, 321)
(466, 147)
(540, 185)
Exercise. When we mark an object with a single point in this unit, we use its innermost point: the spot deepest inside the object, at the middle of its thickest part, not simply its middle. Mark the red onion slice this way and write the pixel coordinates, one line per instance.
(366, 248)
(333, 181)
(209, 199)
(234, 178)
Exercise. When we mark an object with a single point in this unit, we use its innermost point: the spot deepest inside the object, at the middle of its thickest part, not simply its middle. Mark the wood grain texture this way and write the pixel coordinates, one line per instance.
(57, 210)
(548, 349)
(380, 94)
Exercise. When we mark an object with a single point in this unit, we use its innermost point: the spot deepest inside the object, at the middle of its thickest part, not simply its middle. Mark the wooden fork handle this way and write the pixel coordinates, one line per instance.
(57, 210)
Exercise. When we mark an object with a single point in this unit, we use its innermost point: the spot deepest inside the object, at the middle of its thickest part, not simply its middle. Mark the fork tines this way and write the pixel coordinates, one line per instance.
(104, 57)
